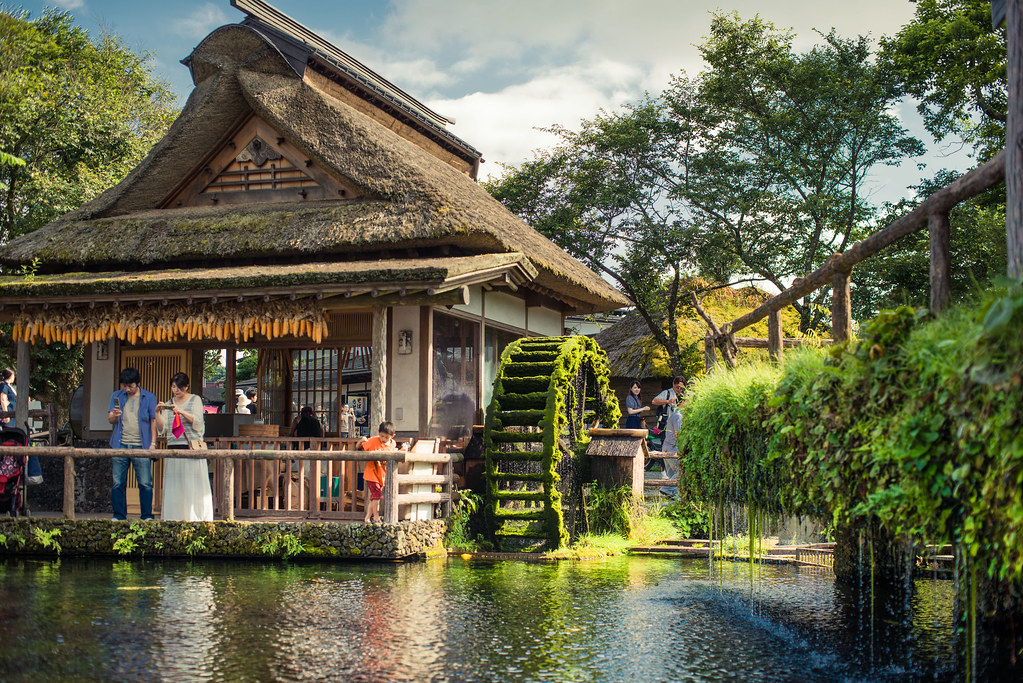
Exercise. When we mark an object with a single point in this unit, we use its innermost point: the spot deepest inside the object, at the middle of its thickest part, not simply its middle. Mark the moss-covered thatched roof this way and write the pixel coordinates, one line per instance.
(354, 277)
(632, 351)
(416, 200)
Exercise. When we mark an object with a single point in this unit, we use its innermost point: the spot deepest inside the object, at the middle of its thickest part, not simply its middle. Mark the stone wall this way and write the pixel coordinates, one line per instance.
(93, 479)
(305, 540)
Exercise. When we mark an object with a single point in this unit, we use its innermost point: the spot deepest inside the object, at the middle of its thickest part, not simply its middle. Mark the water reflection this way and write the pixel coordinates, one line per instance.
(619, 619)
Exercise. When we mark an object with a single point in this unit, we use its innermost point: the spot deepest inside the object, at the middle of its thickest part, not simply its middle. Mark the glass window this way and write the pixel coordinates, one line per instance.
(455, 376)
(496, 341)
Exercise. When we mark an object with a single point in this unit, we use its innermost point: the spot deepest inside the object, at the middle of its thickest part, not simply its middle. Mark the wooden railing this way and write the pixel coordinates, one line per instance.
(932, 213)
(266, 475)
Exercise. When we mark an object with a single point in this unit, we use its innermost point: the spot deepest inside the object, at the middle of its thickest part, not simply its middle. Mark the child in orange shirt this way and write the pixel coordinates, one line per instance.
(374, 474)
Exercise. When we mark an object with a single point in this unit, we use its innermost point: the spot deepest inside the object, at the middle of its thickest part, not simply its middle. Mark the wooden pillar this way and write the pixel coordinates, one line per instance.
(709, 353)
(941, 277)
(389, 505)
(774, 336)
(378, 409)
(230, 378)
(21, 375)
(841, 308)
(1014, 138)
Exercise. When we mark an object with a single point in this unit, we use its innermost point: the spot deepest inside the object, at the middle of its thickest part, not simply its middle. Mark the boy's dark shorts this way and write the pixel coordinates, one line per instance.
(376, 491)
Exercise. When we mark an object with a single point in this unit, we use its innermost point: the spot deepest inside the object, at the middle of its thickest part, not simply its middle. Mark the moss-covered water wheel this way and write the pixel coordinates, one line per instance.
(548, 392)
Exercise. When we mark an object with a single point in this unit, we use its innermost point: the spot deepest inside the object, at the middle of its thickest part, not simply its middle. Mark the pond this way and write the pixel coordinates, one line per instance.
(620, 619)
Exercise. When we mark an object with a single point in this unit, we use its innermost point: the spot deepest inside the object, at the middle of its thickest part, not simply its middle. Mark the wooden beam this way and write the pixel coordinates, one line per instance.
(841, 306)
(786, 342)
(941, 277)
(775, 343)
(969, 185)
(1014, 138)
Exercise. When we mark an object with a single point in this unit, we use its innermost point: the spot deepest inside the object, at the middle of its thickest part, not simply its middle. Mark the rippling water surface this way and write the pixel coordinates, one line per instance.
(621, 619)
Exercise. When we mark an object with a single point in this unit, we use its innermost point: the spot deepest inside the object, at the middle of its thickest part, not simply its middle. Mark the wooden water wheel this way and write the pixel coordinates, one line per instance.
(548, 392)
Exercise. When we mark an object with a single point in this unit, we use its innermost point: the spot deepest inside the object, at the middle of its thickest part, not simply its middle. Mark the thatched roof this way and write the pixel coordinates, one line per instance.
(411, 199)
(353, 278)
(633, 352)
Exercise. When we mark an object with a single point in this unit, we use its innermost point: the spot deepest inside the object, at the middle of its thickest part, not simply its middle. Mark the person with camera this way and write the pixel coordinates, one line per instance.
(133, 414)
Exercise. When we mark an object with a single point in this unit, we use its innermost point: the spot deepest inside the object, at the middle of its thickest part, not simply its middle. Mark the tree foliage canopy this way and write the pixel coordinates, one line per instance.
(755, 168)
(952, 60)
(75, 116)
(79, 113)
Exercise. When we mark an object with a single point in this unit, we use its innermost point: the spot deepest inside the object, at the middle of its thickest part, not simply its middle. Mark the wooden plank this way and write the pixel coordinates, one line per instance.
(414, 479)
(1014, 138)
(22, 373)
(941, 248)
(969, 185)
(417, 498)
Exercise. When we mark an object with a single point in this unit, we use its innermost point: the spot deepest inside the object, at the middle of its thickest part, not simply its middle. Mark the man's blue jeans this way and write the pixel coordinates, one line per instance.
(144, 474)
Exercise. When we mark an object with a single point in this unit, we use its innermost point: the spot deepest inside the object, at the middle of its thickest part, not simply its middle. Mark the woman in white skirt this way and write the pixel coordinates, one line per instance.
(186, 484)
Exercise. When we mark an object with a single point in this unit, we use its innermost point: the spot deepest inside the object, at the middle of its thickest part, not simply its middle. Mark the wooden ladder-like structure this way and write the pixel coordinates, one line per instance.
(547, 392)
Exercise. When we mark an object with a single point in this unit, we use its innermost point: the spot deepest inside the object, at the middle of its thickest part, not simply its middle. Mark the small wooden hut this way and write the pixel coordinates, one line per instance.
(303, 206)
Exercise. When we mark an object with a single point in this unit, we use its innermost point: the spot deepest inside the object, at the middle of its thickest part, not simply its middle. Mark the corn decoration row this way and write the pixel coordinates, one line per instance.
(225, 322)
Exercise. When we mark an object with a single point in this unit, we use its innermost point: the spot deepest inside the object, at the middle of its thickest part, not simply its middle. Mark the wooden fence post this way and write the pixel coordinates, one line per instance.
(941, 277)
(774, 337)
(69, 487)
(389, 505)
(841, 307)
(1014, 138)
(21, 375)
(709, 358)
(227, 501)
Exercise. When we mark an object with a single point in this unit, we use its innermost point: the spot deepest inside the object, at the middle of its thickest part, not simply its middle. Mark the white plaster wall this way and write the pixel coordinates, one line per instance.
(506, 309)
(404, 374)
(102, 383)
(545, 321)
(475, 305)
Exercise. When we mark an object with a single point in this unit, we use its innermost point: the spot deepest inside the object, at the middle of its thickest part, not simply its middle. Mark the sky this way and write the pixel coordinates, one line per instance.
(506, 70)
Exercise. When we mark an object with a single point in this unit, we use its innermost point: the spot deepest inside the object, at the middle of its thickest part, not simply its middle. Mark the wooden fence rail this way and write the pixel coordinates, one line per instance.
(226, 496)
(932, 213)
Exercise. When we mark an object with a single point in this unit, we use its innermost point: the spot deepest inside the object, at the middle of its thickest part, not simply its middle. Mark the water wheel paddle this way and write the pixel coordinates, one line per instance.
(548, 392)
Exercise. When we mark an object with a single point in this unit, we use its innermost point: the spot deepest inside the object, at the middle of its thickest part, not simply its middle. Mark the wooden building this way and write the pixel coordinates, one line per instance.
(303, 206)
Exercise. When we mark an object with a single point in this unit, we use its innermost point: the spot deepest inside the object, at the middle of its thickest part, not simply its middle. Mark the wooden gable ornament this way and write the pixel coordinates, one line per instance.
(256, 165)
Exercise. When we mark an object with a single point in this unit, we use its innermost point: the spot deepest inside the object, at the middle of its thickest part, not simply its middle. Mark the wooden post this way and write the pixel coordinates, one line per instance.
(774, 338)
(230, 379)
(227, 502)
(841, 308)
(709, 357)
(389, 505)
(51, 423)
(69, 487)
(1014, 137)
(21, 380)
(941, 277)
(377, 409)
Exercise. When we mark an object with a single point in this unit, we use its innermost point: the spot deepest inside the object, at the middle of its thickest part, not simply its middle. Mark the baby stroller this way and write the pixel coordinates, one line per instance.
(12, 472)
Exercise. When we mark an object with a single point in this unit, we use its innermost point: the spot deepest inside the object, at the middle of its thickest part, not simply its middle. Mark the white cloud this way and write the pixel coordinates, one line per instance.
(70, 4)
(504, 125)
(200, 22)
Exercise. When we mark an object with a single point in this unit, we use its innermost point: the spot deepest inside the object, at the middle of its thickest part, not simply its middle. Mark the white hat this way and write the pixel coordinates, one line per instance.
(238, 392)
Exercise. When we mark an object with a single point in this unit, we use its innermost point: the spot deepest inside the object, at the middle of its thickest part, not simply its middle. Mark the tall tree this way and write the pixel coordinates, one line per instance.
(607, 196)
(952, 60)
(799, 134)
(80, 113)
(75, 117)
